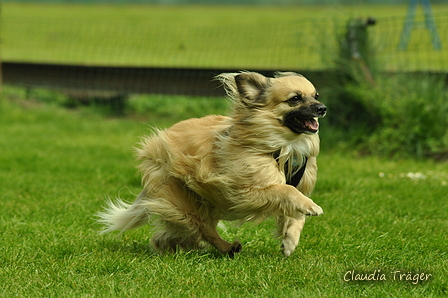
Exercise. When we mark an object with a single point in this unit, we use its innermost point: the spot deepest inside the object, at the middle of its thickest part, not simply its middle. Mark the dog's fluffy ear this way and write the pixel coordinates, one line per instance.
(251, 85)
(245, 85)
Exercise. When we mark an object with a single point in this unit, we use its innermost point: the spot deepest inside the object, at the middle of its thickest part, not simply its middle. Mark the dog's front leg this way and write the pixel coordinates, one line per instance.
(279, 199)
(290, 230)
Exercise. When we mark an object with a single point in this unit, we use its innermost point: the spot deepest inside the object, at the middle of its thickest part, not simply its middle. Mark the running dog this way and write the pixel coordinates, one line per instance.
(257, 162)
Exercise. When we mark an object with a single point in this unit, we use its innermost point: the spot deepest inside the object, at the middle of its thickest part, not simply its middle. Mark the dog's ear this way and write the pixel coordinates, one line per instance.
(251, 85)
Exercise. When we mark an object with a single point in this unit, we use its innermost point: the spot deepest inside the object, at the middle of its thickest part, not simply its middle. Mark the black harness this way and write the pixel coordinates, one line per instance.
(295, 179)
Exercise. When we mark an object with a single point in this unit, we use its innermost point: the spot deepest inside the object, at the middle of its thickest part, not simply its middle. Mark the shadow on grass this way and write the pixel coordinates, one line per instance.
(144, 248)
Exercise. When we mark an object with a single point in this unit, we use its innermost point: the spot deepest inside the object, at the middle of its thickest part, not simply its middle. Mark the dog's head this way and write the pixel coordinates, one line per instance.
(289, 99)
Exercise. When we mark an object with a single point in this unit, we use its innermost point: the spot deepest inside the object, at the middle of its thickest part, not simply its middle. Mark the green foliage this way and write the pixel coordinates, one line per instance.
(399, 115)
(412, 115)
(403, 115)
(172, 108)
(165, 109)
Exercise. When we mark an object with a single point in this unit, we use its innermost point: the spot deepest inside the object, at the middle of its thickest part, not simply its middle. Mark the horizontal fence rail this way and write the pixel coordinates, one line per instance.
(96, 81)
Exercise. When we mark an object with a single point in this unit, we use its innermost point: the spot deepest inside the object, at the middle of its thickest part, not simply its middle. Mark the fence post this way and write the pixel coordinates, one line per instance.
(358, 45)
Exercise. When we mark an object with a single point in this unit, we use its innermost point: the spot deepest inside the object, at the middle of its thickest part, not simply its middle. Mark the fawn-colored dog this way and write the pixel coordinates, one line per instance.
(259, 161)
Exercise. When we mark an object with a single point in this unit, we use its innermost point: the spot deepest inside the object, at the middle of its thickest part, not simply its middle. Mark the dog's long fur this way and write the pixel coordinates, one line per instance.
(235, 167)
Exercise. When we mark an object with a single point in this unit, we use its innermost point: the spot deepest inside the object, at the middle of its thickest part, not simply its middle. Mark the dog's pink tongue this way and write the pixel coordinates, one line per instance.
(312, 123)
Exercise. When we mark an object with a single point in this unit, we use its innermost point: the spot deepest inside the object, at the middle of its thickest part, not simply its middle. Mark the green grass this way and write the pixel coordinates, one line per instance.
(57, 166)
(245, 37)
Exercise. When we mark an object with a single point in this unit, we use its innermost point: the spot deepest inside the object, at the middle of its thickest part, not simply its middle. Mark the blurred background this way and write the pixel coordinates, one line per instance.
(112, 51)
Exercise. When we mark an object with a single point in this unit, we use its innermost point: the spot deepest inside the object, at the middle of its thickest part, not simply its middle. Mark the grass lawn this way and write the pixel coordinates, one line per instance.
(57, 166)
(280, 37)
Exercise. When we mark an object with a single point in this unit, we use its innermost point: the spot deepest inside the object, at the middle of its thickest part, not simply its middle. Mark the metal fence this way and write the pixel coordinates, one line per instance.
(302, 45)
(420, 53)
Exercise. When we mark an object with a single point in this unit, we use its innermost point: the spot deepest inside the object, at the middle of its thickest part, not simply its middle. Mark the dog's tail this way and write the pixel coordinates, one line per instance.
(121, 216)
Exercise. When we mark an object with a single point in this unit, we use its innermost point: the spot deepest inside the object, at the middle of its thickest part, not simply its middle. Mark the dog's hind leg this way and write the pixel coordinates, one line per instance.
(185, 220)
(210, 234)
(290, 230)
(188, 233)
(173, 237)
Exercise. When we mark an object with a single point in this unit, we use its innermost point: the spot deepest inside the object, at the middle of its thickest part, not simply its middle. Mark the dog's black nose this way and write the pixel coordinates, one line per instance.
(321, 109)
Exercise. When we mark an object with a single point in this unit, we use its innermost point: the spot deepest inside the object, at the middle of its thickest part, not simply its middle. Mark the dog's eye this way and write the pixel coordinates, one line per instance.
(295, 99)
(316, 96)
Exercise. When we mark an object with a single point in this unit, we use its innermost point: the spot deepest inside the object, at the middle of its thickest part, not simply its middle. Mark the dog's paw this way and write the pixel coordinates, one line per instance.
(312, 209)
(288, 248)
(236, 248)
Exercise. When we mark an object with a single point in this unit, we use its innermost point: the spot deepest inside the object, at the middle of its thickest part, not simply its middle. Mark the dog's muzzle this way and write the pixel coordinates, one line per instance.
(305, 119)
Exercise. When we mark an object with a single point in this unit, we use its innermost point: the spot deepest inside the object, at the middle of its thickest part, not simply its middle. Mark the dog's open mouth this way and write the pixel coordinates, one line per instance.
(305, 120)
(301, 124)
(306, 125)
